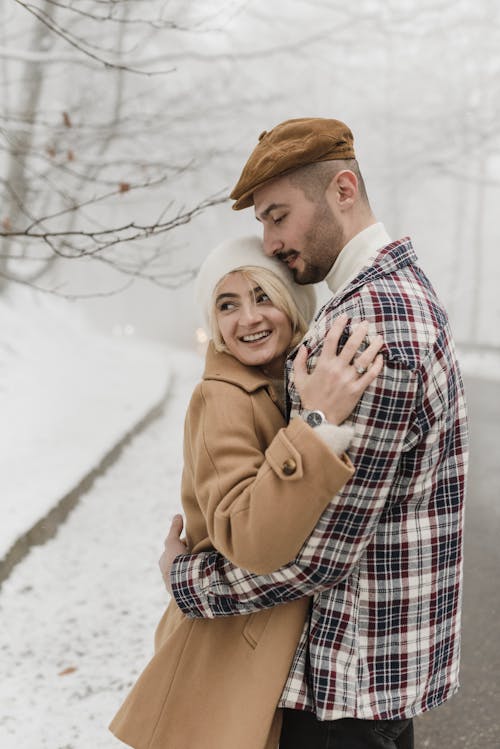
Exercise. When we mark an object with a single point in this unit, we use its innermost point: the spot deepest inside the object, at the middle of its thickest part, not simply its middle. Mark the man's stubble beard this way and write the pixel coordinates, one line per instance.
(322, 244)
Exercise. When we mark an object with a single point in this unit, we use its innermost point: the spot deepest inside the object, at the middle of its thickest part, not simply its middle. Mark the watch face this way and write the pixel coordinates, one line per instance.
(315, 418)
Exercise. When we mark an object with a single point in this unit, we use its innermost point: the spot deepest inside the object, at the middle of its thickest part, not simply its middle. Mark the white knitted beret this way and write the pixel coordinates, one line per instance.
(234, 254)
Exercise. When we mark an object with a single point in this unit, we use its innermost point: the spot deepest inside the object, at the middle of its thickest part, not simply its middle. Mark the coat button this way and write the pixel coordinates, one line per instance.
(289, 467)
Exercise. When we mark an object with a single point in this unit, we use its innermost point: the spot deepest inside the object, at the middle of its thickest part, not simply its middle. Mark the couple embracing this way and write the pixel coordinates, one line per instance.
(316, 599)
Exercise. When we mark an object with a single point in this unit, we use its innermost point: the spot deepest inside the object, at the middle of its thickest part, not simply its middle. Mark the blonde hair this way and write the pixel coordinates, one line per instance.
(277, 292)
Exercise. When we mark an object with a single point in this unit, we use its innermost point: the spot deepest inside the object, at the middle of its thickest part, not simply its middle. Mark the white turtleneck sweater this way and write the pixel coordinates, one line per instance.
(359, 252)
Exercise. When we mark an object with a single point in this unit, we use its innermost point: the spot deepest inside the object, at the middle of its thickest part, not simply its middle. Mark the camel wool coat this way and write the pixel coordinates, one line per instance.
(254, 489)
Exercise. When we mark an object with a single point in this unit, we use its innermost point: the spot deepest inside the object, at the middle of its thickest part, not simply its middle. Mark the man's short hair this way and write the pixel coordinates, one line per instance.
(313, 179)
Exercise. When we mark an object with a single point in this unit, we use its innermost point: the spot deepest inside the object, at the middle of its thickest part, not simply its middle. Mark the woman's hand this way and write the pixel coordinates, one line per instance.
(338, 380)
(173, 547)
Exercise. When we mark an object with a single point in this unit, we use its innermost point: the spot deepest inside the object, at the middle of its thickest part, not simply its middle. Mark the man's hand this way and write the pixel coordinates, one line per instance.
(173, 547)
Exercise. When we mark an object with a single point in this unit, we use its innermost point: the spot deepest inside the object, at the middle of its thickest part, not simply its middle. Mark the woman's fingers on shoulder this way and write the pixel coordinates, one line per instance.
(372, 372)
(328, 355)
(332, 338)
(299, 362)
(366, 358)
(356, 338)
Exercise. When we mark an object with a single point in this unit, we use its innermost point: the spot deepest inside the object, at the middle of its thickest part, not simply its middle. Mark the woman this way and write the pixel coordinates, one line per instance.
(254, 489)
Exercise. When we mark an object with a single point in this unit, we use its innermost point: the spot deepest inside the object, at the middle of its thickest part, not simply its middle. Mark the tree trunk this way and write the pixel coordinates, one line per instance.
(17, 188)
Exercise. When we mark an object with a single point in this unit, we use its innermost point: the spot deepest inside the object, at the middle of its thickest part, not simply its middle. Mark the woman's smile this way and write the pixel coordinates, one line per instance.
(255, 337)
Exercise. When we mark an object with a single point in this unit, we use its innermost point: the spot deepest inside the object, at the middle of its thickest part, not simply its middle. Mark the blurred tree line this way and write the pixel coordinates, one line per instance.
(124, 120)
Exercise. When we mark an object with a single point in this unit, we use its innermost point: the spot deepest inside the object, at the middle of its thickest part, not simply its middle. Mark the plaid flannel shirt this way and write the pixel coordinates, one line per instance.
(384, 564)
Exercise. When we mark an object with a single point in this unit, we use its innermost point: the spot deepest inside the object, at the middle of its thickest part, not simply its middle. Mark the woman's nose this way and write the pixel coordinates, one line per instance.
(250, 314)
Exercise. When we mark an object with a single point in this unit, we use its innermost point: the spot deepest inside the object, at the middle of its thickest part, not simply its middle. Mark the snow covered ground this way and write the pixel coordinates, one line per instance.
(78, 614)
(68, 394)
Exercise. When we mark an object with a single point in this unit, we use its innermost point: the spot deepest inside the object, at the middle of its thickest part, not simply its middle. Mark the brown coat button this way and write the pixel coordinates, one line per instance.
(289, 467)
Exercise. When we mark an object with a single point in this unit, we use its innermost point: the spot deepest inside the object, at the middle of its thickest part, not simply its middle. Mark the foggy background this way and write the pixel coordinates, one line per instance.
(123, 111)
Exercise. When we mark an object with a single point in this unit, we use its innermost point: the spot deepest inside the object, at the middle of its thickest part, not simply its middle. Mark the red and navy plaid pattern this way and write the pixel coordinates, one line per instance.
(384, 564)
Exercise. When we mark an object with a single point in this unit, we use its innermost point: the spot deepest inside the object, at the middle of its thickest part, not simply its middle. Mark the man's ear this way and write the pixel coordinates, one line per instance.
(342, 189)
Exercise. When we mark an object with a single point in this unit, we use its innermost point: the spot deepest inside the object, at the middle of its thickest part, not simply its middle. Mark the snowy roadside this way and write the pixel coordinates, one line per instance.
(68, 395)
(78, 614)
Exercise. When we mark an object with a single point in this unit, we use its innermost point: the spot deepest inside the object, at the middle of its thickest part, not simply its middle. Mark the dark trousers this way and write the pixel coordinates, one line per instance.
(302, 730)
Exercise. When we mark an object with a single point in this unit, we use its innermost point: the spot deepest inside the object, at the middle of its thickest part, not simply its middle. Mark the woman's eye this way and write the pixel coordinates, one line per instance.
(263, 299)
(226, 306)
(278, 220)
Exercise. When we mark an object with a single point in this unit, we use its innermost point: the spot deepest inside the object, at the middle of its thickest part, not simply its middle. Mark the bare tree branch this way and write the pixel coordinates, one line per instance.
(82, 45)
(96, 241)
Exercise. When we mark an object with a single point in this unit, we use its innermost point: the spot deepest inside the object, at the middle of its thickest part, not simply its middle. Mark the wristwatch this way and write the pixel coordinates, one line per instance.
(314, 418)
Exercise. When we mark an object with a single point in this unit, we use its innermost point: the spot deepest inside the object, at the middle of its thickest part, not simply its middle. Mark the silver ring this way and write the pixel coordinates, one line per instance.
(361, 370)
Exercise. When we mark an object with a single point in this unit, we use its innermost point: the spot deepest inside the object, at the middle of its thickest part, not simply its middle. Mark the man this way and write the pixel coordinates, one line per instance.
(384, 564)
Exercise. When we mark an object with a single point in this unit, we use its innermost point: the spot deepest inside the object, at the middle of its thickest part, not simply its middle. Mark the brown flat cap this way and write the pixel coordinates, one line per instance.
(288, 146)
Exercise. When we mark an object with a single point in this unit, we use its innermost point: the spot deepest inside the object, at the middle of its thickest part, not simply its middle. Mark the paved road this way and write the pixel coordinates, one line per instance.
(472, 718)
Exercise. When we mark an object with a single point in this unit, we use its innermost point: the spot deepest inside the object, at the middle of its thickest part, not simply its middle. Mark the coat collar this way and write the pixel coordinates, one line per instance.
(222, 366)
